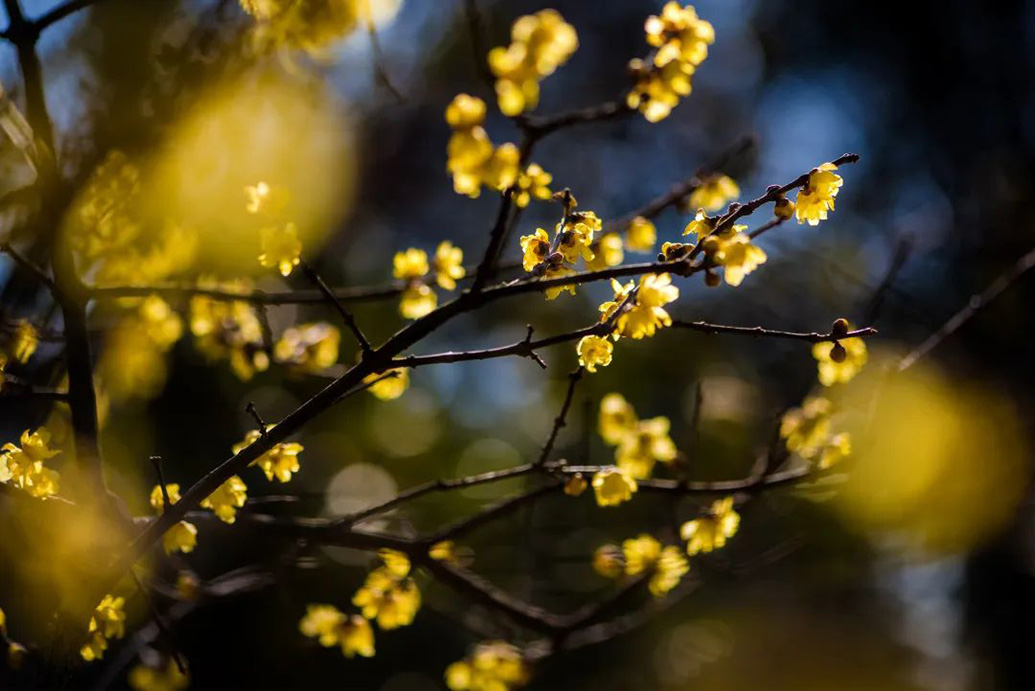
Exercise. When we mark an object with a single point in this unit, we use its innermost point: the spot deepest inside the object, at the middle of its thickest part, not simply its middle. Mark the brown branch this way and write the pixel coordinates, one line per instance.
(346, 316)
(487, 266)
(476, 31)
(380, 66)
(903, 248)
(539, 127)
(760, 332)
(976, 303)
(30, 268)
(561, 419)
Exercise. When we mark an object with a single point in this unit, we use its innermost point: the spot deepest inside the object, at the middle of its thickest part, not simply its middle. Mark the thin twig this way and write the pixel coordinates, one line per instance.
(758, 331)
(976, 303)
(33, 270)
(346, 316)
(561, 419)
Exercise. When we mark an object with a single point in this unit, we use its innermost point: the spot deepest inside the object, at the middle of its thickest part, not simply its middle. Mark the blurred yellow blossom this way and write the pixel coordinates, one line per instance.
(540, 43)
(229, 329)
(417, 300)
(313, 26)
(594, 351)
(711, 530)
(24, 341)
(108, 621)
(279, 462)
(389, 385)
(839, 362)
(493, 666)
(613, 486)
(617, 420)
(559, 271)
(410, 264)
(532, 183)
(816, 198)
(648, 443)
(807, 428)
(227, 498)
(640, 554)
(168, 678)
(836, 450)
(609, 561)
(575, 485)
(701, 226)
(714, 193)
(281, 248)
(310, 347)
(389, 595)
(448, 265)
(263, 198)
(641, 235)
(182, 537)
(22, 466)
(332, 627)
(607, 252)
(737, 256)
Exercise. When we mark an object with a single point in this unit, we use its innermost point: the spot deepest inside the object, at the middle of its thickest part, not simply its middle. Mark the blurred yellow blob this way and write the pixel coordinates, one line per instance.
(290, 134)
(937, 461)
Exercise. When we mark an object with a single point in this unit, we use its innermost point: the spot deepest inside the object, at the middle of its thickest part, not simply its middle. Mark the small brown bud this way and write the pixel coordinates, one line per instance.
(838, 352)
(710, 245)
(575, 485)
(711, 278)
(839, 328)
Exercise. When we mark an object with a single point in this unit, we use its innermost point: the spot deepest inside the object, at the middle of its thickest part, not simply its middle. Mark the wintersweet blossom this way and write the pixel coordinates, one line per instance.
(710, 531)
(816, 198)
(593, 352)
(227, 498)
(493, 666)
(281, 248)
(613, 486)
(280, 462)
(839, 362)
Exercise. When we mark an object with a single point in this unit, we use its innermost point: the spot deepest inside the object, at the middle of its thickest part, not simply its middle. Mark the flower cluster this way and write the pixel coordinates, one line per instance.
(311, 347)
(493, 666)
(666, 565)
(182, 537)
(639, 311)
(280, 247)
(681, 41)
(412, 266)
(22, 466)
(389, 595)
(639, 444)
(133, 362)
(816, 198)
(280, 462)
(332, 627)
(732, 250)
(573, 239)
(540, 43)
(108, 621)
(473, 161)
(807, 431)
(229, 330)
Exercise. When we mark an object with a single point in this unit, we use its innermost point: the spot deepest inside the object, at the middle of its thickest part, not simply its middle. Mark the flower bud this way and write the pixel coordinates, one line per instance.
(838, 352)
(783, 209)
(711, 278)
(839, 328)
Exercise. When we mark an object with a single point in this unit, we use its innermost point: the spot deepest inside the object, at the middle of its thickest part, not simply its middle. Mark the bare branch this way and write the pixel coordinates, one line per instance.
(346, 316)
(760, 332)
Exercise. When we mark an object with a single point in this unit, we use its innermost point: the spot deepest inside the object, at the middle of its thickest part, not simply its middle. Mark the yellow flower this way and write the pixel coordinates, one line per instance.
(309, 26)
(594, 351)
(558, 272)
(575, 485)
(539, 44)
(640, 554)
(816, 198)
(411, 264)
(279, 462)
(182, 537)
(397, 563)
(657, 91)
(613, 486)
(265, 199)
(532, 182)
(701, 226)
(839, 448)
(617, 420)
(23, 466)
(108, 621)
(390, 599)
(714, 194)
(281, 248)
(679, 34)
(465, 111)
(24, 341)
(503, 170)
(227, 498)
(641, 235)
(162, 324)
(646, 314)
(494, 666)
(322, 622)
(607, 252)
(711, 531)
(448, 265)
(609, 561)
(738, 257)
(158, 497)
(469, 151)
(576, 237)
(169, 678)
(449, 551)
(356, 637)
(838, 369)
(648, 443)
(388, 388)
(311, 347)
(536, 248)
(230, 330)
(807, 428)
(417, 301)
(669, 570)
